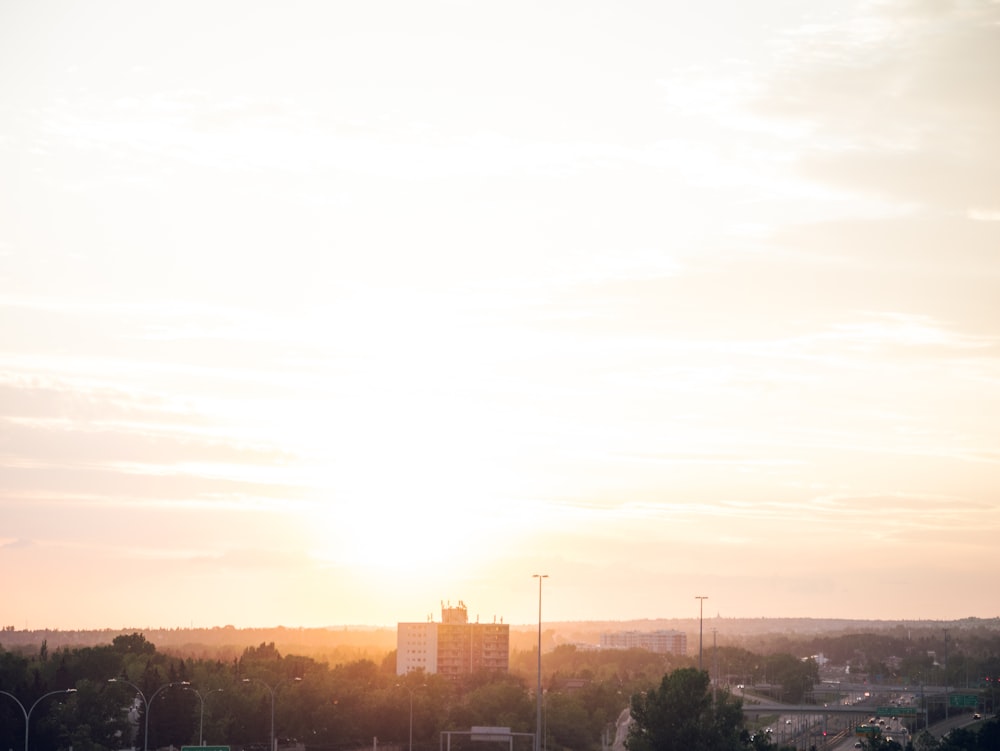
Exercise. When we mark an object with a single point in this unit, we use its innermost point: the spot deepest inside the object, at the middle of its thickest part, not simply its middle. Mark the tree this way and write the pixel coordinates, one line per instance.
(681, 716)
(989, 734)
(503, 701)
(134, 644)
(960, 739)
(879, 742)
(567, 722)
(925, 741)
(796, 677)
(99, 721)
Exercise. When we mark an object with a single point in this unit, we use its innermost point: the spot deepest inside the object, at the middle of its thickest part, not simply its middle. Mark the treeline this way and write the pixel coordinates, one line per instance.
(222, 642)
(912, 656)
(103, 698)
(860, 644)
(122, 688)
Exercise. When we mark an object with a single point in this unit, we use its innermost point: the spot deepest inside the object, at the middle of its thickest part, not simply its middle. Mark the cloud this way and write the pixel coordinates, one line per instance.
(75, 443)
(40, 399)
(984, 215)
(18, 544)
(248, 136)
(900, 101)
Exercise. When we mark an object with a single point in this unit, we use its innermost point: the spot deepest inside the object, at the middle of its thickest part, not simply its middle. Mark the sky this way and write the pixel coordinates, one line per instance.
(325, 313)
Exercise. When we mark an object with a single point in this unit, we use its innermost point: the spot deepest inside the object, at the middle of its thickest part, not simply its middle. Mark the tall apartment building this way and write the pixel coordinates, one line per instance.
(661, 642)
(453, 647)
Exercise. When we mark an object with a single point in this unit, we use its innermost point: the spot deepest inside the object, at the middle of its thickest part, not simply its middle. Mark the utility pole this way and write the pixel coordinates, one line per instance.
(538, 688)
(715, 664)
(946, 674)
(701, 622)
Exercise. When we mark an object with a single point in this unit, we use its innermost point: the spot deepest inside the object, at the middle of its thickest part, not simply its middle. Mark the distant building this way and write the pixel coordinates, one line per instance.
(661, 642)
(453, 647)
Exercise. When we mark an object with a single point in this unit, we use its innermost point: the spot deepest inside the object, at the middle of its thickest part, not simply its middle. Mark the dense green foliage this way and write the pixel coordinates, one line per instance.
(680, 715)
(345, 705)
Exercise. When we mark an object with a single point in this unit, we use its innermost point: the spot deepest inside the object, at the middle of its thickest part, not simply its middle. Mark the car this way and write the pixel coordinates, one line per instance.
(857, 744)
(977, 716)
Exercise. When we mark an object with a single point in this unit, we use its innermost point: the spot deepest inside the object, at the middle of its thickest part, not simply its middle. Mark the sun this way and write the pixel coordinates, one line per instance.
(405, 484)
(412, 453)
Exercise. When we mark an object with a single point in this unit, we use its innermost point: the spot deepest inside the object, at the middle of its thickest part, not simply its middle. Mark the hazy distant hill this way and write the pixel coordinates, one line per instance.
(225, 642)
(345, 643)
(743, 632)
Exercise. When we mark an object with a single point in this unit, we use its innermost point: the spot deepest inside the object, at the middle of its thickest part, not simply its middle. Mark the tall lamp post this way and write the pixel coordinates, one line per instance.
(201, 720)
(701, 610)
(946, 700)
(147, 703)
(27, 712)
(411, 690)
(715, 663)
(271, 690)
(538, 690)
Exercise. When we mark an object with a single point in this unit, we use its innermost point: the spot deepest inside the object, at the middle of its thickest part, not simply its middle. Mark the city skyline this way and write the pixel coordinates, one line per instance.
(322, 314)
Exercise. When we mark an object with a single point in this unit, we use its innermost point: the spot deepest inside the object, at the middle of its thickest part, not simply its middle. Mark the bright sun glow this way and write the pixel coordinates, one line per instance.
(407, 451)
(345, 302)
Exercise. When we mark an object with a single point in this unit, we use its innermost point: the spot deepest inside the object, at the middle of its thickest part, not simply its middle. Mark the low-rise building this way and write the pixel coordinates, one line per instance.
(661, 642)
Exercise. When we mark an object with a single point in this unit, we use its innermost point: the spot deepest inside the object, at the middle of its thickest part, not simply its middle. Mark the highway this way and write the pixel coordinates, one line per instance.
(895, 709)
(802, 725)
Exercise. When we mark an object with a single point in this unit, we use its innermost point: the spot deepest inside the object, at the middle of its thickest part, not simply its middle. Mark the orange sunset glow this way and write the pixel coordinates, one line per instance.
(321, 313)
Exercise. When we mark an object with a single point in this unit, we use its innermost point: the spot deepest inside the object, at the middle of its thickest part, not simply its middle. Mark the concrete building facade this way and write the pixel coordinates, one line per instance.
(416, 647)
(661, 642)
(453, 647)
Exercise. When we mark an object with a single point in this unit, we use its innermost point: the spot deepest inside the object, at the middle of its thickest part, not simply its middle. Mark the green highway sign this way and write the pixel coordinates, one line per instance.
(894, 711)
(963, 700)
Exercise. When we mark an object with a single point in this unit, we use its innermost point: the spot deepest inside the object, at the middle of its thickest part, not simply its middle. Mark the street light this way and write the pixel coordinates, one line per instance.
(27, 712)
(946, 702)
(411, 690)
(271, 690)
(715, 662)
(701, 610)
(538, 690)
(147, 703)
(201, 721)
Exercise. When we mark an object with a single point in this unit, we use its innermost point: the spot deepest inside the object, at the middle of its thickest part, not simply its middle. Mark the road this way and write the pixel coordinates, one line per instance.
(938, 729)
(621, 731)
(802, 726)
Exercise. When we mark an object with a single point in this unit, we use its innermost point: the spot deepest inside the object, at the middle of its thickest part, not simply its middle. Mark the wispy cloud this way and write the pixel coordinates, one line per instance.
(898, 100)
